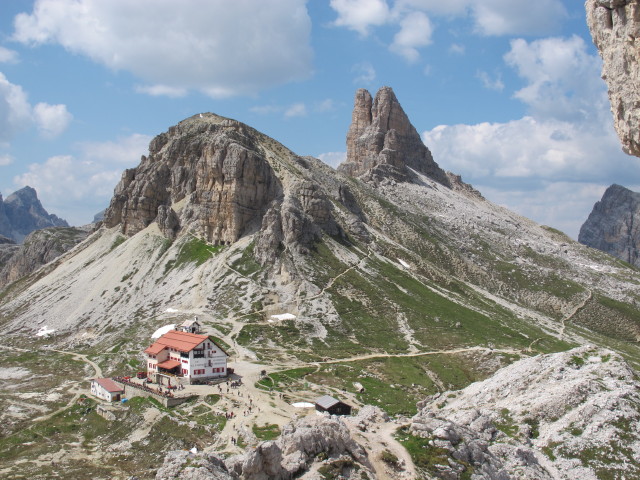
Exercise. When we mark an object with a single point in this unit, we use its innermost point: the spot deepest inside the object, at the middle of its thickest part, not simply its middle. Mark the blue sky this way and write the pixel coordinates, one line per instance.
(506, 93)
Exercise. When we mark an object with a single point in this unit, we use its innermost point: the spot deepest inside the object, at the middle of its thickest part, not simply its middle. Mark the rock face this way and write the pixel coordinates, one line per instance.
(22, 213)
(215, 177)
(615, 28)
(207, 174)
(614, 225)
(39, 248)
(292, 455)
(543, 417)
(382, 142)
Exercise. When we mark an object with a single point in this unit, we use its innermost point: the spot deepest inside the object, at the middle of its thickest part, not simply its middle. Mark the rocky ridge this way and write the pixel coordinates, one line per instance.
(566, 415)
(38, 248)
(302, 448)
(22, 213)
(615, 29)
(613, 225)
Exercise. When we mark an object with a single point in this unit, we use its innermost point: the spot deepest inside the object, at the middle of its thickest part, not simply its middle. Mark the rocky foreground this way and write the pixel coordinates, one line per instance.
(558, 416)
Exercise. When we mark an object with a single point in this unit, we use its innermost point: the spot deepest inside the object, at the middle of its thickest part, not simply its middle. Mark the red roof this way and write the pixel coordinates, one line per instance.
(180, 341)
(109, 385)
(169, 364)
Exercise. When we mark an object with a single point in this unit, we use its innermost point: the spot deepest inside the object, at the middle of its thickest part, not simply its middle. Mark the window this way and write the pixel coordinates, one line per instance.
(185, 371)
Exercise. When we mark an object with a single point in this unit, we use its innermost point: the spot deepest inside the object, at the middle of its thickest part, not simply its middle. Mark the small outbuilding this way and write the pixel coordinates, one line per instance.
(106, 389)
(332, 406)
(190, 326)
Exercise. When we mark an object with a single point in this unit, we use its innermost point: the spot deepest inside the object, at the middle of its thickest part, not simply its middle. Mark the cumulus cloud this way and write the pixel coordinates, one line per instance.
(333, 158)
(554, 163)
(412, 18)
(360, 15)
(8, 56)
(296, 110)
(218, 47)
(17, 114)
(5, 159)
(490, 83)
(563, 79)
(415, 32)
(78, 186)
(518, 17)
(365, 73)
(51, 120)
(15, 110)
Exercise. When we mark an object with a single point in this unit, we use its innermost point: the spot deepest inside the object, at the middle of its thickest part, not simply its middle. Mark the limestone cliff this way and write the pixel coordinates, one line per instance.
(615, 28)
(207, 174)
(39, 248)
(614, 225)
(382, 141)
(221, 180)
(22, 213)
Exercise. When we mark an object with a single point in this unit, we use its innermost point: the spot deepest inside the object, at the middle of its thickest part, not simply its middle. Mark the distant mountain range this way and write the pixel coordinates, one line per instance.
(22, 213)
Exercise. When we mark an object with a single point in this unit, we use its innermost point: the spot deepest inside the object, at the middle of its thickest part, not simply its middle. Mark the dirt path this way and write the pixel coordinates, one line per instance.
(422, 354)
(574, 312)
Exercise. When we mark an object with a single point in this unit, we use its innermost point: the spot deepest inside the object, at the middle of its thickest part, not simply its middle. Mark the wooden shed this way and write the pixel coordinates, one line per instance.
(332, 406)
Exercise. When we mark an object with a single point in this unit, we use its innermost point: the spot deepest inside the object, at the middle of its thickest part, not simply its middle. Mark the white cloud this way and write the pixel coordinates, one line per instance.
(490, 83)
(488, 17)
(439, 7)
(8, 56)
(360, 15)
(17, 114)
(518, 17)
(5, 159)
(51, 120)
(296, 110)
(162, 90)
(563, 79)
(365, 73)
(326, 105)
(219, 47)
(76, 187)
(415, 31)
(527, 150)
(15, 111)
(333, 158)
(553, 164)
(457, 49)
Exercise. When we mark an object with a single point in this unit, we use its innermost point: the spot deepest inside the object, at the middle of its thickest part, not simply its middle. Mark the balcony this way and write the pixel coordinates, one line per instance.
(198, 354)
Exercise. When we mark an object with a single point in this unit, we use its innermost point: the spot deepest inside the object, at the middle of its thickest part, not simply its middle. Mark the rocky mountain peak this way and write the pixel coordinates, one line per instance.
(614, 225)
(22, 213)
(382, 141)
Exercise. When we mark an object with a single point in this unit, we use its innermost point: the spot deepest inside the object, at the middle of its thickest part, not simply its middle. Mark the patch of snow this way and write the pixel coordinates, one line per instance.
(284, 316)
(302, 405)
(44, 331)
(162, 330)
(172, 310)
(403, 263)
